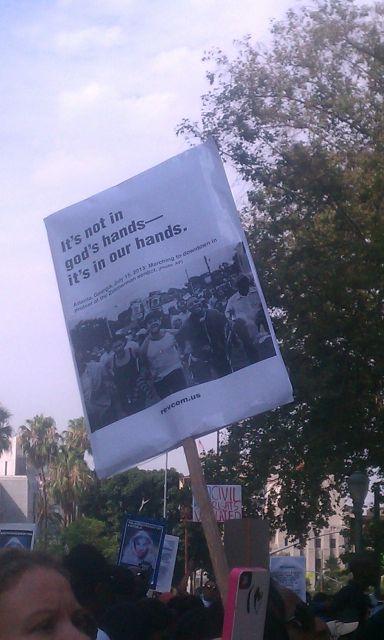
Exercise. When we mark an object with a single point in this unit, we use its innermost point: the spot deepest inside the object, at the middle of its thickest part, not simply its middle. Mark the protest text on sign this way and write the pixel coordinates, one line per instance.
(226, 502)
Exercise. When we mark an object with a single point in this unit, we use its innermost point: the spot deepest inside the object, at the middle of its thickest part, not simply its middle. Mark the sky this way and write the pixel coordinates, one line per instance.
(91, 92)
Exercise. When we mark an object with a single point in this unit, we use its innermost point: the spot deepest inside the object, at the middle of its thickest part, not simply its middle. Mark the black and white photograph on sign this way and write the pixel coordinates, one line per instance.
(141, 546)
(16, 539)
(207, 324)
(164, 311)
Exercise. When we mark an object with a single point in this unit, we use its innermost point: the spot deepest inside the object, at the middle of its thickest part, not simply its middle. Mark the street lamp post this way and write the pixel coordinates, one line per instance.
(358, 488)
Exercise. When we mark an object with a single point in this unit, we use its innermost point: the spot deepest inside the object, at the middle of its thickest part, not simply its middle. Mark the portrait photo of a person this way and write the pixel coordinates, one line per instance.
(140, 551)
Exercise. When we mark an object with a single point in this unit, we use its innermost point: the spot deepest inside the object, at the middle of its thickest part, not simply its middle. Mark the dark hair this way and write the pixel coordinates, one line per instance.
(155, 314)
(242, 278)
(15, 562)
(127, 621)
(87, 569)
(193, 625)
(184, 602)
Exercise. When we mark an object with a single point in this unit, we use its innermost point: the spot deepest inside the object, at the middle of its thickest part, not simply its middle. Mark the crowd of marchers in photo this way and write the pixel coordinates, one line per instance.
(169, 342)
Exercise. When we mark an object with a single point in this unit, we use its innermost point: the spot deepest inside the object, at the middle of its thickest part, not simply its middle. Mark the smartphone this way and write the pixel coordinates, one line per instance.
(246, 605)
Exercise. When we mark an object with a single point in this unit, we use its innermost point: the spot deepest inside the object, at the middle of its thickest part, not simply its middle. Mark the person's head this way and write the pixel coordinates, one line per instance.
(193, 625)
(183, 602)
(243, 284)
(155, 618)
(142, 545)
(95, 354)
(142, 575)
(36, 600)
(177, 323)
(90, 577)
(195, 307)
(146, 619)
(182, 305)
(118, 345)
(107, 346)
(210, 591)
(141, 335)
(153, 322)
(364, 568)
(122, 584)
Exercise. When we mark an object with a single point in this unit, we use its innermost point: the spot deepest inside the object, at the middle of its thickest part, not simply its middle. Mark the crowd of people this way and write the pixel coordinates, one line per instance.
(85, 598)
(198, 338)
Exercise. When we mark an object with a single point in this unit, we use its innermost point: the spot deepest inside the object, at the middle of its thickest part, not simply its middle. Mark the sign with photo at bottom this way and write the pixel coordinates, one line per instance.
(169, 330)
(141, 546)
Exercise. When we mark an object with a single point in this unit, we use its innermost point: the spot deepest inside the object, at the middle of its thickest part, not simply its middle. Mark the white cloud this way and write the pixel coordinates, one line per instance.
(84, 98)
(78, 41)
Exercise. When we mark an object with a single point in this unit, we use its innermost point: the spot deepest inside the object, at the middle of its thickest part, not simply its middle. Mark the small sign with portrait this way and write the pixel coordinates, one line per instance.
(17, 536)
(141, 546)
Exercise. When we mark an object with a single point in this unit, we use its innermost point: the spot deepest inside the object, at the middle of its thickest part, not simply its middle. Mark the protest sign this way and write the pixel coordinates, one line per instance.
(226, 502)
(290, 573)
(167, 563)
(164, 311)
(141, 546)
(17, 535)
(246, 605)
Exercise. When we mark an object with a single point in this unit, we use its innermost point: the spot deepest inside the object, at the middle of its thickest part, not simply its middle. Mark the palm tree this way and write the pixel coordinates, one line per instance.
(76, 437)
(70, 477)
(5, 429)
(39, 442)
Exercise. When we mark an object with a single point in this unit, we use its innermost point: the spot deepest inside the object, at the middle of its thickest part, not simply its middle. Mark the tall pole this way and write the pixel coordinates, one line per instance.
(218, 451)
(376, 520)
(165, 486)
(208, 520)
(358, 511)
(358, 488)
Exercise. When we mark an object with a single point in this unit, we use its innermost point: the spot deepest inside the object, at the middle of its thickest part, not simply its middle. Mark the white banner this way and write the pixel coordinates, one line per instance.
(226, 502)
(166, 319)
(290, 573)
(167, 563)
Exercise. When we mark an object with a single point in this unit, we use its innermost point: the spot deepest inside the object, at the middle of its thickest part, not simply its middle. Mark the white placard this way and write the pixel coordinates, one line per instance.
(226, 502)
(290, 573)
(168, 326)
(167, 563)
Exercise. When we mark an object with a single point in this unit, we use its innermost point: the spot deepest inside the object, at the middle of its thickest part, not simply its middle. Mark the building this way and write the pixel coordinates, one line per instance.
(18, 486)
(320, 546)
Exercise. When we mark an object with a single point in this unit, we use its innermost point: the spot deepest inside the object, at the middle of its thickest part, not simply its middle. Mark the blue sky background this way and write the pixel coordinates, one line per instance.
(91, 92)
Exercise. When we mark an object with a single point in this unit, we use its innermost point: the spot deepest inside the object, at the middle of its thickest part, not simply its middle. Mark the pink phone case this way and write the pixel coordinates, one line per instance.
(246, 605)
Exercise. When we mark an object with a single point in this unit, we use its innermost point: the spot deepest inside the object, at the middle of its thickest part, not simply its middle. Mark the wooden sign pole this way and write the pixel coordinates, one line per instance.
(207, 516)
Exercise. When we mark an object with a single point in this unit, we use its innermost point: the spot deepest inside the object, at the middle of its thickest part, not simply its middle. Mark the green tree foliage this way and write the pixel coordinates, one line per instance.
(302, 122)
(333, 577)
(135, 492)
(39, 441)
(70, 476)
(5, 429)
(91, 531)
(140, 493)
(76, 437)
